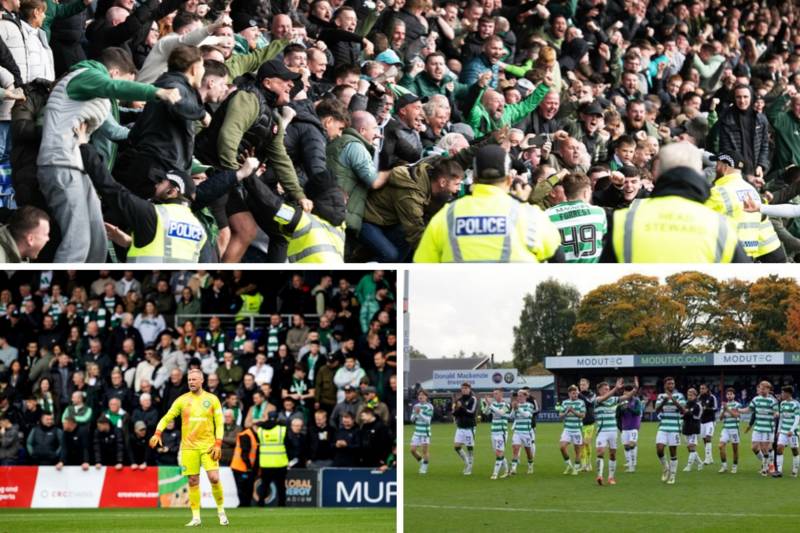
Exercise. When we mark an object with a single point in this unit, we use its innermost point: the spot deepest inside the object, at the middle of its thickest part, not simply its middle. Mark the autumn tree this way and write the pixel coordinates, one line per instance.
(545, 323)
(698, 312)
(770, 300)
(633, 315)
(790, 340)
(736, 315)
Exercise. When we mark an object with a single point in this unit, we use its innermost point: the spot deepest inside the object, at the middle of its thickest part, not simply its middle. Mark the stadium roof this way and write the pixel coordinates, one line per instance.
(420, 370)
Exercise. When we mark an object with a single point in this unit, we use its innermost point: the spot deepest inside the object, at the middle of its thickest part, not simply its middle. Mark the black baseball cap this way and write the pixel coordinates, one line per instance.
(276, 69)
(491, 163)
(592, 108)
(406, 99)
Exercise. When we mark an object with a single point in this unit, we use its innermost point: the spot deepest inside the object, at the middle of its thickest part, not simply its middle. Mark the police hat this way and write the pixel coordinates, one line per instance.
(492, 163)
(732, 158)
(182, 181)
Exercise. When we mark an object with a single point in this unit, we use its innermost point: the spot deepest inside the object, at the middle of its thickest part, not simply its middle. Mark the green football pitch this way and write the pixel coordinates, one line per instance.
(446, 500)
(250, 520)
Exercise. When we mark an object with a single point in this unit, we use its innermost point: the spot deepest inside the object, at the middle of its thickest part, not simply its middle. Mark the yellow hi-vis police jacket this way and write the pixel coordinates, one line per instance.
(488, 226)
(727, 197)
(179, 237)
(314, 239)
(672, 229)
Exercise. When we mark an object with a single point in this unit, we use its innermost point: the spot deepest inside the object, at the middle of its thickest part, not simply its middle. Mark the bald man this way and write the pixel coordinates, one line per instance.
(351, 158)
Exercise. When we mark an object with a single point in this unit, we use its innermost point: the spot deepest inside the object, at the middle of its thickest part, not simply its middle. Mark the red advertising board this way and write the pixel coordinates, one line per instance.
(130, 488)
(16, 485)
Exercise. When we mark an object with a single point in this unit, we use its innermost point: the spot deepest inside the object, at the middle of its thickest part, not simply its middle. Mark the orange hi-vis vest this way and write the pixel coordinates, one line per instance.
(237, 463)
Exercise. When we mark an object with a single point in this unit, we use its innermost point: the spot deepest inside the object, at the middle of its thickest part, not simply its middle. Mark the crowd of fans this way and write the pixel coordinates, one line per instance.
(85, 379)
(332, 130)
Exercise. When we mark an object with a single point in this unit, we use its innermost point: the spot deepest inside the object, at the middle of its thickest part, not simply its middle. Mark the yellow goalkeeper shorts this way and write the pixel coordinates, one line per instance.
(190, 461)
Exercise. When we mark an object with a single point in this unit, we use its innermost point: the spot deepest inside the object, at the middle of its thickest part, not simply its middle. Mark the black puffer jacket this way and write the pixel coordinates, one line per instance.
(730, 136)
(305, 141)
(65, 41)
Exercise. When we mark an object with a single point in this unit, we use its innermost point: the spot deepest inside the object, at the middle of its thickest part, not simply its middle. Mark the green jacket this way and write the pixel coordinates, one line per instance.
(243, 111)
(60, 11)
(482, 124)
(424, 86)
(787, 134)
(354, 189)
(406, 197)
(240, 64)
(229, 378)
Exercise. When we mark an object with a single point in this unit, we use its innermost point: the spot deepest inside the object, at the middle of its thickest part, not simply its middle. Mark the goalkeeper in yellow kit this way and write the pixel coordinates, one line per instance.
(201, 441)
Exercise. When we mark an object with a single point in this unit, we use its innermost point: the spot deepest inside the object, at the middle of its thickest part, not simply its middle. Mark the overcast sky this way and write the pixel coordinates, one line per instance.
(475, 307)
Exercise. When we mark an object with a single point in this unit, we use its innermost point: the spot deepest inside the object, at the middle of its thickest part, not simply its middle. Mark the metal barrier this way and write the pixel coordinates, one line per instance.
(228, 322)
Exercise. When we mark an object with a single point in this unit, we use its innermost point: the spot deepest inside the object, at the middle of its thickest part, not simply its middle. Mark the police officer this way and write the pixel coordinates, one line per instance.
(490, 225)
(316, 237)
(272, 457)
(758, 238)
(162, 232)
(673, 225)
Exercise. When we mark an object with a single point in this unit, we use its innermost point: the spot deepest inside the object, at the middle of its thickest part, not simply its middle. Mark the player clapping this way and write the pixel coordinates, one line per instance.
(500, 411)
(730, 430)
(572, 412)
(605, 413)
(670, 404)
(522, 414)
(789, 422)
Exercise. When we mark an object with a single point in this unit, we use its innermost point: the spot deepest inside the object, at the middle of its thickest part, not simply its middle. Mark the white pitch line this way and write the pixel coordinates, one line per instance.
(601, 511)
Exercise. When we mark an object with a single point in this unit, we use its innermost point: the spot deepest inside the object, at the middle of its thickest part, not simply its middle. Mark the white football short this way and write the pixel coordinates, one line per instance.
(465, 436)
(419, 440)
(522, 438)
(630, 435)
(786, 440)
(729, 435)
(574, 437)
(692, 439)
(606, 439)
(668, 438)
(498, 441)
(707, 429)
(761, 436)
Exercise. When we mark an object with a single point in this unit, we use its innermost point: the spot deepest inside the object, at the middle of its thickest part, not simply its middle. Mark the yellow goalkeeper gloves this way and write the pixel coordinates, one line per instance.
(216, 450)
(155, 440)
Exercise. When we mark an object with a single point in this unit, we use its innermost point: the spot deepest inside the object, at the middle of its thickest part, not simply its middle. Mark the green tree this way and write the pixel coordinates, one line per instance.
(413, 353)
(545, 323)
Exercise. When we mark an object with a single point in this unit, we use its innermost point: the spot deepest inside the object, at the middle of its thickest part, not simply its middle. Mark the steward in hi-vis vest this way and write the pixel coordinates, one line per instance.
(272, 458)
